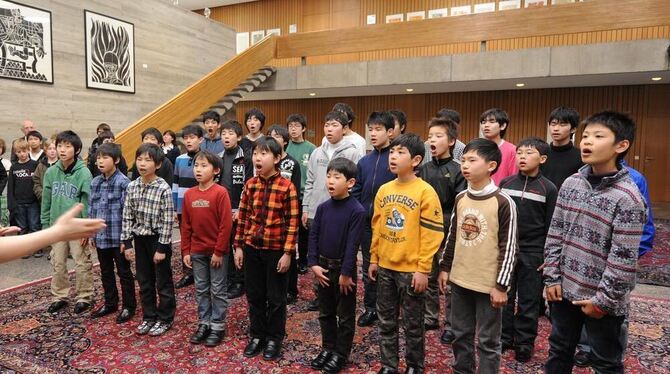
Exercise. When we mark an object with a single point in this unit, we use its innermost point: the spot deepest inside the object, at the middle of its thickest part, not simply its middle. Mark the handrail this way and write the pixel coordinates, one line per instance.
(198, 97)
(593, 15)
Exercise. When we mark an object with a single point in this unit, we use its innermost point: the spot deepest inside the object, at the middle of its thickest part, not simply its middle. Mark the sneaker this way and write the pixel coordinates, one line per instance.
(582, 359)
(160, 328)
(145, 327)
(38, 254)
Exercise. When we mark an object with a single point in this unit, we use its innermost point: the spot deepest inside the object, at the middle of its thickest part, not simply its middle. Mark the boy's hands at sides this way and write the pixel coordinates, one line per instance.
(320, 275)
(239, 258)
(158, 257)
(305, 220)
(128, 253)
(419, 281)
(372, 272)
(346, 284)
(590, 309)
(187, 261)
(554, 293)
(284, 263)
(498, 298)
(216, 261)
(442, 281)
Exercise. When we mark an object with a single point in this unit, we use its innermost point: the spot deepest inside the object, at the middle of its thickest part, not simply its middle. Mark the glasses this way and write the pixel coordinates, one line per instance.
(558, 123)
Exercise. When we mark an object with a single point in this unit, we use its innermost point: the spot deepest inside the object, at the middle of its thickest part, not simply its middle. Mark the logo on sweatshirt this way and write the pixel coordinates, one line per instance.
(396, 222)
(474, 227)
(200, 203)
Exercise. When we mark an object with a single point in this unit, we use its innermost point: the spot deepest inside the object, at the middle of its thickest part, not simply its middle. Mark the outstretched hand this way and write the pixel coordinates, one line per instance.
(71, 228)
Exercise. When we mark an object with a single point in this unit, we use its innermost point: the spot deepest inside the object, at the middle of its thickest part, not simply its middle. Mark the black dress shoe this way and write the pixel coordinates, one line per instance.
(447, 337)
(320, 360)
(414, 370)
(103, 311)
(253, 348)
(387, 370)
(235, 290)
(200, 334)
(335, 364)
(186, 280)
(506, 345)
(367, 318)
(272, 350)
(582, 359)
(125, 315)
(313, 305)
(81, 307)
(291, 298)
(56, 306)
(523, 353)
(431, 326)
(214, 338)
(302, 269)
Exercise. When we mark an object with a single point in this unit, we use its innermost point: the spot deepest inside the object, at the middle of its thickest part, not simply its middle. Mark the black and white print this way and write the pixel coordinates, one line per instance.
(25, 43)
(110, 53)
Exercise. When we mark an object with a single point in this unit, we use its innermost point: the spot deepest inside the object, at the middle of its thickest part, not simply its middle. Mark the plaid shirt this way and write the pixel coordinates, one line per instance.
(268, 214)
(106, 202)
(148, 211)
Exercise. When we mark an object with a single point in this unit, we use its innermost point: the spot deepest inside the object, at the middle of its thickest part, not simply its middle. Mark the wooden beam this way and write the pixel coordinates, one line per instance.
(593, 15)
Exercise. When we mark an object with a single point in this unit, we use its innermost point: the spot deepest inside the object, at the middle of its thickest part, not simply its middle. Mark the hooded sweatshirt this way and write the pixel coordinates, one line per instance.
(64, 188)
(315, 186)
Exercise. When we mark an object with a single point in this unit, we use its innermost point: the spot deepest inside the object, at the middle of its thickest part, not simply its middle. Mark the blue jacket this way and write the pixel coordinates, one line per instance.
(373, 172)
(649, 231)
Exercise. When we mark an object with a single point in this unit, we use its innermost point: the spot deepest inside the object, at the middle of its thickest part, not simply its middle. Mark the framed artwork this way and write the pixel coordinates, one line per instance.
(557, 2)
(461, 10)
(241, 42)
(509, 4)
(257, 36)
(273, 31)
(292, 28)
(535, 3)
(394, 18)
(438, 13)
(485, 7)
(25, 43)
(416, 16)
(110, 53)
(371, 19)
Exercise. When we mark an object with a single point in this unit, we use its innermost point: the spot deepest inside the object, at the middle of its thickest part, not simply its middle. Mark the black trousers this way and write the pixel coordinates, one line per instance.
(108, 257)
(337, 315)
(185, 269)
(154, 279)
(235, 275)
(293, 276)
(526, 290)
(266, 293)
(303, 241)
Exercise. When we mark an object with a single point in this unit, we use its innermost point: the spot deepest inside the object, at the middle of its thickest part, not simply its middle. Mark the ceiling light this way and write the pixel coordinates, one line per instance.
(312, 94)
(656, 79)
(409, 89)
(520, 84)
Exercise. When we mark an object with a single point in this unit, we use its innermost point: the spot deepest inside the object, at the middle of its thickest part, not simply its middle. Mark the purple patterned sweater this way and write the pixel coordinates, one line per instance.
(591, 248)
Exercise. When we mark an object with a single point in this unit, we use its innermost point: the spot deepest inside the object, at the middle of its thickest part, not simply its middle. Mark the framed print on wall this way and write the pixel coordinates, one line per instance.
(25, 43)
(110, 53)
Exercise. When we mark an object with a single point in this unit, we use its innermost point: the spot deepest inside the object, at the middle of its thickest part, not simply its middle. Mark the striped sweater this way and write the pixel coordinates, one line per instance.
(591, 248)
(482, 243)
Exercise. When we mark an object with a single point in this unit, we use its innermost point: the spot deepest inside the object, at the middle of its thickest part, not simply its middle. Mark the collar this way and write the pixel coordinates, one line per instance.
(487, 190)
(562, 148)
(440, 162)
(585, 172)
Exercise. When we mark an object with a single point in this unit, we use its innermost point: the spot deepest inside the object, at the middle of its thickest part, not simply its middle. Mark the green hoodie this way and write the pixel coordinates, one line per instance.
(63, 189)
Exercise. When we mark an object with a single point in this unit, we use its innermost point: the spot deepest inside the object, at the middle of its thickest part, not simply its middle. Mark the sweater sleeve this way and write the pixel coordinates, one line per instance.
(431, 229)
(309, 184)
(353, 242)
(242, 217)
(38, 176)
(185, 227)
(45, 208)
(313, 244)
(165, 230)
(376, 226)
(619, 276)
(450, 246)
(225, 224)
(507, 241)
(292, 223)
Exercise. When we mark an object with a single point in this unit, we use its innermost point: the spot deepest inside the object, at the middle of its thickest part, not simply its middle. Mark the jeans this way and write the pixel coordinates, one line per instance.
(210, 289)
(623, 337)
(526, 289)
(369, 287)
(108, 257)
(266, 293)
(154, 279)
(337, 315)
(604, 337)
(395, 292)
(28, 217)
(472, 310)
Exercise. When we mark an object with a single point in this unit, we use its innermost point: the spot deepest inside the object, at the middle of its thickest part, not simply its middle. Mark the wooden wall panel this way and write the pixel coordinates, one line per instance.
(528, 110)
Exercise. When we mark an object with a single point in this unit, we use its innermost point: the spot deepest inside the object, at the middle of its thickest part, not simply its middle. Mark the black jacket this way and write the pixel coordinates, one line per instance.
(235, 176)
(446, 178)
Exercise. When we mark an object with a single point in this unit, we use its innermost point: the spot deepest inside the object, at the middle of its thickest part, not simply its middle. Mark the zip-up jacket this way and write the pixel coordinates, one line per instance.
(446, 178)
(234, 178)
(373, 172)
(535, 199)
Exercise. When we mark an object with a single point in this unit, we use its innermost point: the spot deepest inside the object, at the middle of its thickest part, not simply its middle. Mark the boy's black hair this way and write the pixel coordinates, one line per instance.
(109, 149)
(621, 124)
(173, 135)
(105, 135)
(254, 112)
(347, 110)
(281, 131)
(335, 115)
(211, 115)
(381, 118)
(268, 143)
(343, 166)
(154, 152)
(297, 117)
(232, 125)
(35, 134)
(412, 142)
(567, 115)
(69, 136)
(401, 117)
(486, 149)
(153, 132)
(500, 116)
(213, 159)
(449, 126)
(104, 127)
(534, 142)
(193, 130)
(450, 114)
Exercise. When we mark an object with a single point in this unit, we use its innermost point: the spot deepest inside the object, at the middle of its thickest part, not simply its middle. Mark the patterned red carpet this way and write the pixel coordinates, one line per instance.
(33, 341)
(654, 268)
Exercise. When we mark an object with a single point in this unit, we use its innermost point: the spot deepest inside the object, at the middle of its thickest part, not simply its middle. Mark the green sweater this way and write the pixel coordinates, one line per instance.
(301, 152)
(63, 189)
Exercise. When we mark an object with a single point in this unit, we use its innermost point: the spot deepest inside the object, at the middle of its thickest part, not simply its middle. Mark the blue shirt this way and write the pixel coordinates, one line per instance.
(213, 145)
(183, 179)
(649, 231)
(107, 197)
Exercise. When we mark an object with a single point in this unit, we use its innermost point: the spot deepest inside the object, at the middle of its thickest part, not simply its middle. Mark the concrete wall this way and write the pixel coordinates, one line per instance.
(179, 47)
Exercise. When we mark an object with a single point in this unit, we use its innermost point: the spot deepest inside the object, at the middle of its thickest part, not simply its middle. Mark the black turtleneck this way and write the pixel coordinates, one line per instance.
(562, 162)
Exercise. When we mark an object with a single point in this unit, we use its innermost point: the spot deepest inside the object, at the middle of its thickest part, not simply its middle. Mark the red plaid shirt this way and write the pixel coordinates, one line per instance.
(268, 214)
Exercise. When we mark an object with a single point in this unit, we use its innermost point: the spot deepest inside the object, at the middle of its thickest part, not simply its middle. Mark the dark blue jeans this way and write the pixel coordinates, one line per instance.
(603, 336)
(28, 217)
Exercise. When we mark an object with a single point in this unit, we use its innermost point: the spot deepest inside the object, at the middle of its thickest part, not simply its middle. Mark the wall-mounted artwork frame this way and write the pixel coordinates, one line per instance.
(241, 42)
(509, 4)
(438, 13)
(461, 10)
(416, 16)
(26, 51)
(110, 53)
(535, 3)
(395, 18)
(257, 36)
(276, 31)
(484, 8)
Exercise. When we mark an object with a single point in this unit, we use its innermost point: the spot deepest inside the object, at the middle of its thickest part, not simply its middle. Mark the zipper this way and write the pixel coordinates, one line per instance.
(525, 183)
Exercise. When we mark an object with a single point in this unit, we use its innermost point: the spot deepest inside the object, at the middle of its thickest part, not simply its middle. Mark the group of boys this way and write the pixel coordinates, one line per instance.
(488, 223)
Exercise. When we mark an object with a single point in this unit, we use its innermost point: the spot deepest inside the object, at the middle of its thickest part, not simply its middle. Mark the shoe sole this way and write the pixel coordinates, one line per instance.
(250, 356)
(272, 358)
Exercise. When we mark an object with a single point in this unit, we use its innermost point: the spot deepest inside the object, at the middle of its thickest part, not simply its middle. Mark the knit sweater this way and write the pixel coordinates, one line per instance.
(593, 240)
(183, 179)
(507, 165)
(206, 221)
(562, 162)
